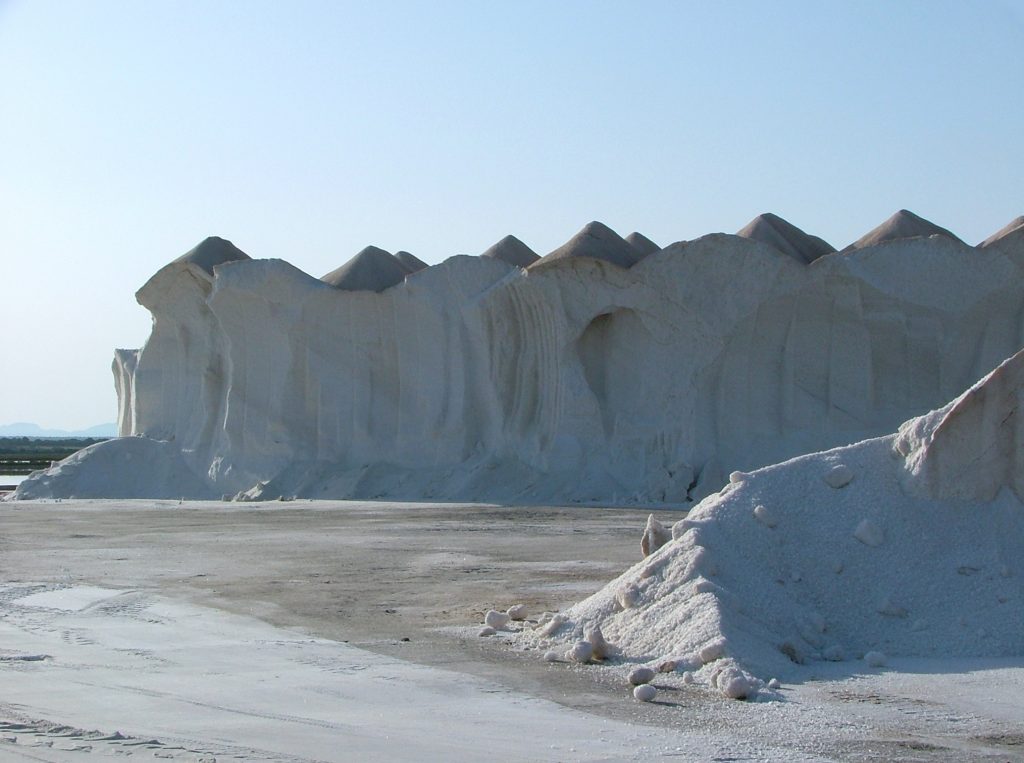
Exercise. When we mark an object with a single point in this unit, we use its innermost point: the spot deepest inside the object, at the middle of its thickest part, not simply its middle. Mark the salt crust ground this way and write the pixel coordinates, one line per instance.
(180, 680)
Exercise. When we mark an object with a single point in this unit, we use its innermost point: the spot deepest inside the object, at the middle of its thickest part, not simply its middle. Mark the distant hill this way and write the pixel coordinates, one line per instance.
(26, 429)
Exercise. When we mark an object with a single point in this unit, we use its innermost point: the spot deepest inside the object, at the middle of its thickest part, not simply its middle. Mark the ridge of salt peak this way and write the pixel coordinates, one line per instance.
(372, 269)
(410, 261)
(769, 228)
(642, 245)
(902, 224)
(210, 252)
(596, 241)
(513, 251)
(1015, 225)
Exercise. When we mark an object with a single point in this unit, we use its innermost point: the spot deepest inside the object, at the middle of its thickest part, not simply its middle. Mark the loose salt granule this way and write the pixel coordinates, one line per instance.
(839, 476)
(765, 517)
(774, 684)
(869, 533)
(518, 612)
(639, 676)
(486, 631)
(496, 619)
(580, 652)
(645, 693)
(688, 677)
(876, 659)
(552, 656)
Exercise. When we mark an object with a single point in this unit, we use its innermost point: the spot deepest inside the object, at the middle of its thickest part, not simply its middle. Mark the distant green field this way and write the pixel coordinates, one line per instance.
(23, 455)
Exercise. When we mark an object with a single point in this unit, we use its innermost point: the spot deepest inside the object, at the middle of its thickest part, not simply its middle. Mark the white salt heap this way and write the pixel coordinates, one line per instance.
(589, 376)
(920, 554)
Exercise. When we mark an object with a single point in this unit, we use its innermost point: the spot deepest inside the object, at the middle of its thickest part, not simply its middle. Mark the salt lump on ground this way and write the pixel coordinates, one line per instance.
(872, 570)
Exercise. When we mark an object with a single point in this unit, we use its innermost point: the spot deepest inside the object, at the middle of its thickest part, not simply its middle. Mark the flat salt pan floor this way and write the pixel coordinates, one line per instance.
(200, 631)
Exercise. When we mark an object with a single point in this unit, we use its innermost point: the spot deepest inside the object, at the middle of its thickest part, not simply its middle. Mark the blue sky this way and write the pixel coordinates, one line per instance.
(130, 131)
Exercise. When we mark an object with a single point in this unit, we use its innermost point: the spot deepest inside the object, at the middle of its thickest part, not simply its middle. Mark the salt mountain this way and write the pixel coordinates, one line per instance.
(604, 371)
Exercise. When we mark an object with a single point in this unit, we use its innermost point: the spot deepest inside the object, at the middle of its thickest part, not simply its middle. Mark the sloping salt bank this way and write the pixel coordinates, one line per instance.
(909, 545)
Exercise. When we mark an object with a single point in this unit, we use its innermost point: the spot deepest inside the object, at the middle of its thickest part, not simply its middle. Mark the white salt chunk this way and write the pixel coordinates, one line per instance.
(639, 676)
(496, 619)
(765, 517)
(655, 536)
(839, 476)
(628, 596)
(869, 533)
(712, 651)
(518, 612)
(486, 631)
(688, 677)
(645, 693)
(552, 625)
(580, 652)
(552, 656)
(737, 477)
(600, 649)
(774, 684)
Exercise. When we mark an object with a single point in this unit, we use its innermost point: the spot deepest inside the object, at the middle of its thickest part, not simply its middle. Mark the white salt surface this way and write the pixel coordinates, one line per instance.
(202, 682)
(72, 599)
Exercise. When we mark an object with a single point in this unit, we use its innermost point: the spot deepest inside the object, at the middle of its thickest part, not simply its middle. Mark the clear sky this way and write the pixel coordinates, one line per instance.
(129, 131)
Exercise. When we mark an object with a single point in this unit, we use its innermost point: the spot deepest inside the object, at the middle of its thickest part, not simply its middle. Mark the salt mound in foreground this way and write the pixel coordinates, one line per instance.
(827, 557)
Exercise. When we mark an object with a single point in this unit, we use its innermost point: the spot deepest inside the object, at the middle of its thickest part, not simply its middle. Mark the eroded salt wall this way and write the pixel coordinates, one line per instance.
(575, 380)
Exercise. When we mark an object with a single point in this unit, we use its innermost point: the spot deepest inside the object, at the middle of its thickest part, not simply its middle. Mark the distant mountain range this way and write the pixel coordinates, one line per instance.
(26, 429)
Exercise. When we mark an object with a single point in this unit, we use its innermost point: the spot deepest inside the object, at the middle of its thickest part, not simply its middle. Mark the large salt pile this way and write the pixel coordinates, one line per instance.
(588, 376)
(906, 545)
